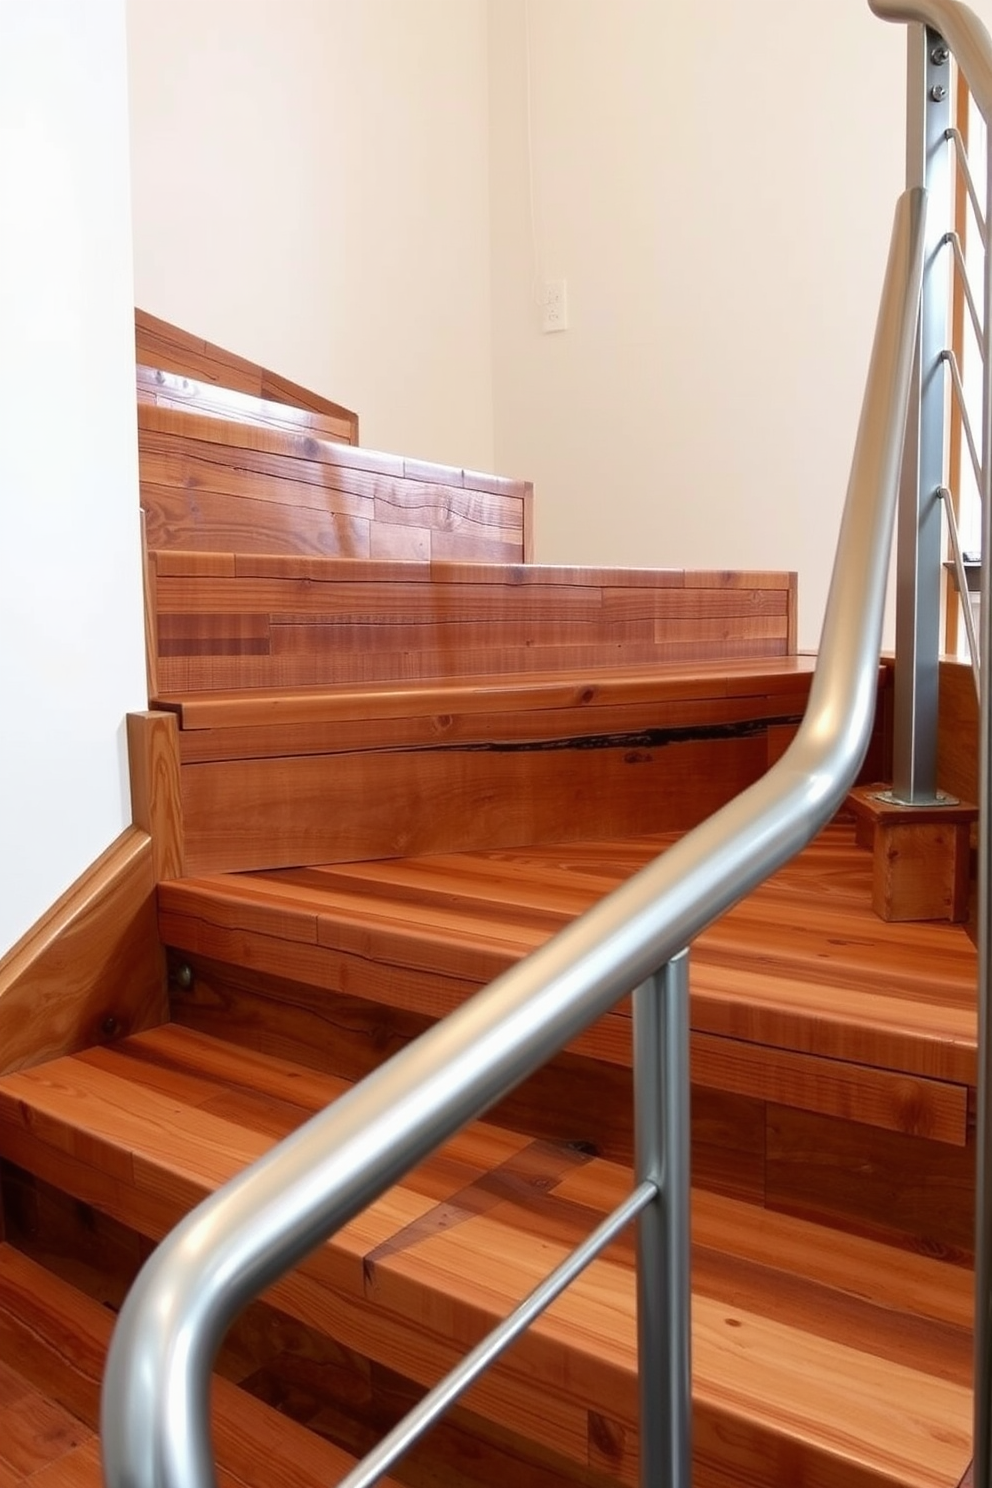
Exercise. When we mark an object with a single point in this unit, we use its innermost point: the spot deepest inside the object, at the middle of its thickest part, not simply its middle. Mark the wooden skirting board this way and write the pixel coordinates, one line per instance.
(92, 969)
(161, 345)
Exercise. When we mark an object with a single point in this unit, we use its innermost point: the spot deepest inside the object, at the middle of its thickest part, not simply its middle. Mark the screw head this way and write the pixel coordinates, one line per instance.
(938, 92)
(183, 976)
(939, 55)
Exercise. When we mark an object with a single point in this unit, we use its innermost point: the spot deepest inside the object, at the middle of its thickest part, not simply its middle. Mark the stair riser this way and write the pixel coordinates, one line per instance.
(246, 814)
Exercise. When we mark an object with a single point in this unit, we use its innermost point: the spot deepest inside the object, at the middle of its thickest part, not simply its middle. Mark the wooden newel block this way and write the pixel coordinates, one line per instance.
(921, 855)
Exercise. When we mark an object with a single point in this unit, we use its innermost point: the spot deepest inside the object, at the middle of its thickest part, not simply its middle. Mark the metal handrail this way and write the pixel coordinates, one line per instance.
(961, 29)
(155, 1416)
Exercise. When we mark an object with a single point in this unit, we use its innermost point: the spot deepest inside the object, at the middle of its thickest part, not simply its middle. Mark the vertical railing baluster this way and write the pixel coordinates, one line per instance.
(914, 766)
(661, 1154)
(983, 1195)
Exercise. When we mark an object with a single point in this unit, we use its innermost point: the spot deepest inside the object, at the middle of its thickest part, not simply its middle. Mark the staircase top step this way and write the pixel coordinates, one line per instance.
(58, 1340)
(845, 1348)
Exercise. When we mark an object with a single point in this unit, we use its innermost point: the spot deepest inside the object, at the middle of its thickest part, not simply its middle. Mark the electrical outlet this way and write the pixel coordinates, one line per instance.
(554, 306)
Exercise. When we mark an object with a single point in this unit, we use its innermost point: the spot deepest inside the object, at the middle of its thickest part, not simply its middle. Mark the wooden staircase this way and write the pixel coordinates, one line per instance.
(379, 767)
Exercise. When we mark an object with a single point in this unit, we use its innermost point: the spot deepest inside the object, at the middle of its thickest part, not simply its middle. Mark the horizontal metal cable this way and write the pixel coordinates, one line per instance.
(436, 1402)
(964, 593)
(961, 151)
(976, 319)
(951, 362)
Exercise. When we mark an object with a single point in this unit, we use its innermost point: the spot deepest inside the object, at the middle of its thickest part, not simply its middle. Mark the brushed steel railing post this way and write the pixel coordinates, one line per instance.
(919, 571)
(983, 1193)
(661, 1155)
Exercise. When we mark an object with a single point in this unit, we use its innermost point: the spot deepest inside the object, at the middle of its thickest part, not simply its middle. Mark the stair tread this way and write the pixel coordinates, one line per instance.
(837, 981)
(58, 1341)
(590, 687)
(778, 1317)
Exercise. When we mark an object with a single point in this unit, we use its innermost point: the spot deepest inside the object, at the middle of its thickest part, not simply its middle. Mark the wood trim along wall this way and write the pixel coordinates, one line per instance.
(92, 969)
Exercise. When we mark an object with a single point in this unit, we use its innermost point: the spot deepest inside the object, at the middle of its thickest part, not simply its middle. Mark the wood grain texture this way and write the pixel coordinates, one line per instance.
(921, 856)
(150, 612)
(60, 1340)
(217, 484)
(809, 1356)
(244, 814)
(270, 626)
(156, 802)
(771, 688)
(93, 968)
(184, 394)
(802, 965)
(161, 345)
(957, 731)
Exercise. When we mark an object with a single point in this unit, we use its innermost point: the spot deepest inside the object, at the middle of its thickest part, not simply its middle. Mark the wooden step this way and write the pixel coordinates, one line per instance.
(828, 1048)
(267, 778)
(54, 1341)
(220, 485)
(817, 1358)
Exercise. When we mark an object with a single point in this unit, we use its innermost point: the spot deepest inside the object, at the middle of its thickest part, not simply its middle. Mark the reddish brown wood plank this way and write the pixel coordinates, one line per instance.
(170, 390)
(197, 745)
(156, 806)
(768, 679)
(259, 814)
(92, 968)
(161, 345)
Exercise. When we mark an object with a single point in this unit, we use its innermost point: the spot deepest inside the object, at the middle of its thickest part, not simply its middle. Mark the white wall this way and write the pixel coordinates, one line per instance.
(718, 191)
(311, 189)
(71, 661)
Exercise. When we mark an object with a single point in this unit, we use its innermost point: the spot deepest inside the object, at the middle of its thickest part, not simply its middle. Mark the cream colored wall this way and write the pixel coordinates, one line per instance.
(311, 188)
(71, 658)
(718, 191)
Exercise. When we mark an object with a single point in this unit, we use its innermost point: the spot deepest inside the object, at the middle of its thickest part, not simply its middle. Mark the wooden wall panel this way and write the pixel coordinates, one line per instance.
(92, 969)
(161, 345)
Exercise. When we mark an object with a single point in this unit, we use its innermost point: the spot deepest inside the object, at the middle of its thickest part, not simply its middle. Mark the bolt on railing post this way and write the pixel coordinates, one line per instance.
(661, 1154)
(983, 1195)
(914, 772)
